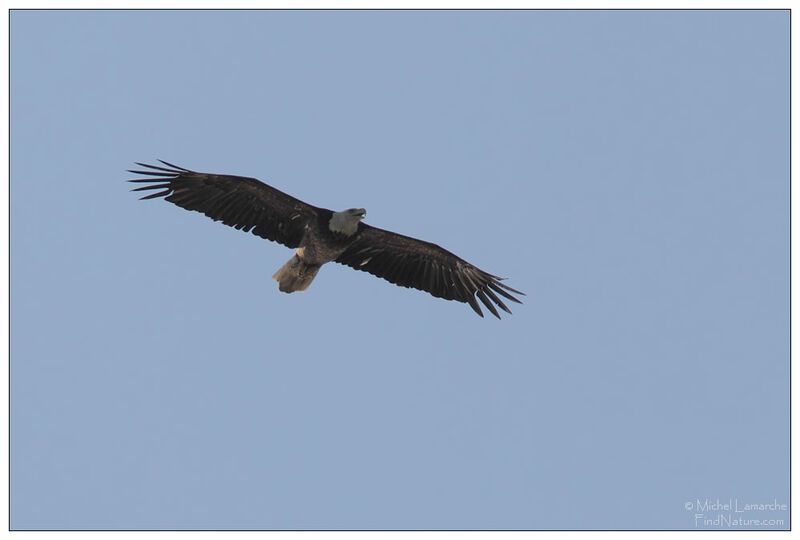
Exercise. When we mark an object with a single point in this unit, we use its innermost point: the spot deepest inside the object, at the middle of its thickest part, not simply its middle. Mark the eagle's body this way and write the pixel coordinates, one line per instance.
(320, 235)
(325, 239)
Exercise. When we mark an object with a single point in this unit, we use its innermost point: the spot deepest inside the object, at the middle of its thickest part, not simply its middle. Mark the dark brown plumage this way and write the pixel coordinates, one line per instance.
(252, 206)
(409, 262)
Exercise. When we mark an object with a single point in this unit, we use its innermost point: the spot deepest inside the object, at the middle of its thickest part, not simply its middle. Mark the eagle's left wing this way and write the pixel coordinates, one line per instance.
(240, 202)
(410, 262)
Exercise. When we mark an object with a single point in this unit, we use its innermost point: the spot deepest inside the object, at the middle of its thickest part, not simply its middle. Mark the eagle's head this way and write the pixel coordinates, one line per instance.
(346, 221)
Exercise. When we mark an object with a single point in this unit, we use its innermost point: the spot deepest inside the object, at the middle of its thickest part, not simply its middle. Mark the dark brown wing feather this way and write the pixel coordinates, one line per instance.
(243, 203)
(409, 262)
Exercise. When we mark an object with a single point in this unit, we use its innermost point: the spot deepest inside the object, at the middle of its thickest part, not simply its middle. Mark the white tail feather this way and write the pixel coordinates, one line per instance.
(295, 275)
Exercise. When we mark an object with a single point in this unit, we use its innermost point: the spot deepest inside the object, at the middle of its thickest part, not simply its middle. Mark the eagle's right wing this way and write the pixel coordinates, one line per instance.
(410, 262)
(243, 203)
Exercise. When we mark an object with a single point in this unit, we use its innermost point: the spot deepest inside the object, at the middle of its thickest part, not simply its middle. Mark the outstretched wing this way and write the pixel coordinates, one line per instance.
(409, 262)
(243, 203)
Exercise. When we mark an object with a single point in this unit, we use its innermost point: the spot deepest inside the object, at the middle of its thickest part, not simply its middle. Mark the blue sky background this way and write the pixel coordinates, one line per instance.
(627, 170)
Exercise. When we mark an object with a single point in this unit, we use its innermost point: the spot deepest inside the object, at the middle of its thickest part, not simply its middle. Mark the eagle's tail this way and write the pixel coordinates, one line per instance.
(295, 275)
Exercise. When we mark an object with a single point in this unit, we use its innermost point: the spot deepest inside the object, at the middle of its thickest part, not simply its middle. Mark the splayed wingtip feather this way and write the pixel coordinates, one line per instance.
(487, 302)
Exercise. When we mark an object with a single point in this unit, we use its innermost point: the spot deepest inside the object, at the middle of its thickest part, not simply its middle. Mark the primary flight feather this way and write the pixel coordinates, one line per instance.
(320, 235)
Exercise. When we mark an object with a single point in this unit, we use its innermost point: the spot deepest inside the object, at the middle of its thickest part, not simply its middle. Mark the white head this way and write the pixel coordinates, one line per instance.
(346, 221)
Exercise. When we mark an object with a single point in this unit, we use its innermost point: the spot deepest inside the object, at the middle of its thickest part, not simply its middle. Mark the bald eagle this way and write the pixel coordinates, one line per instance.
(320, 235)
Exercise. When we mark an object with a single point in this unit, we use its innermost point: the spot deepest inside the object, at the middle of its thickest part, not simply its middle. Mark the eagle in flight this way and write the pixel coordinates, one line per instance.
(320, 235)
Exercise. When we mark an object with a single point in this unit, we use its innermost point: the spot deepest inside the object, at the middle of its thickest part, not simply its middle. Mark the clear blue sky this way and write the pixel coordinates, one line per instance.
(627, 170)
